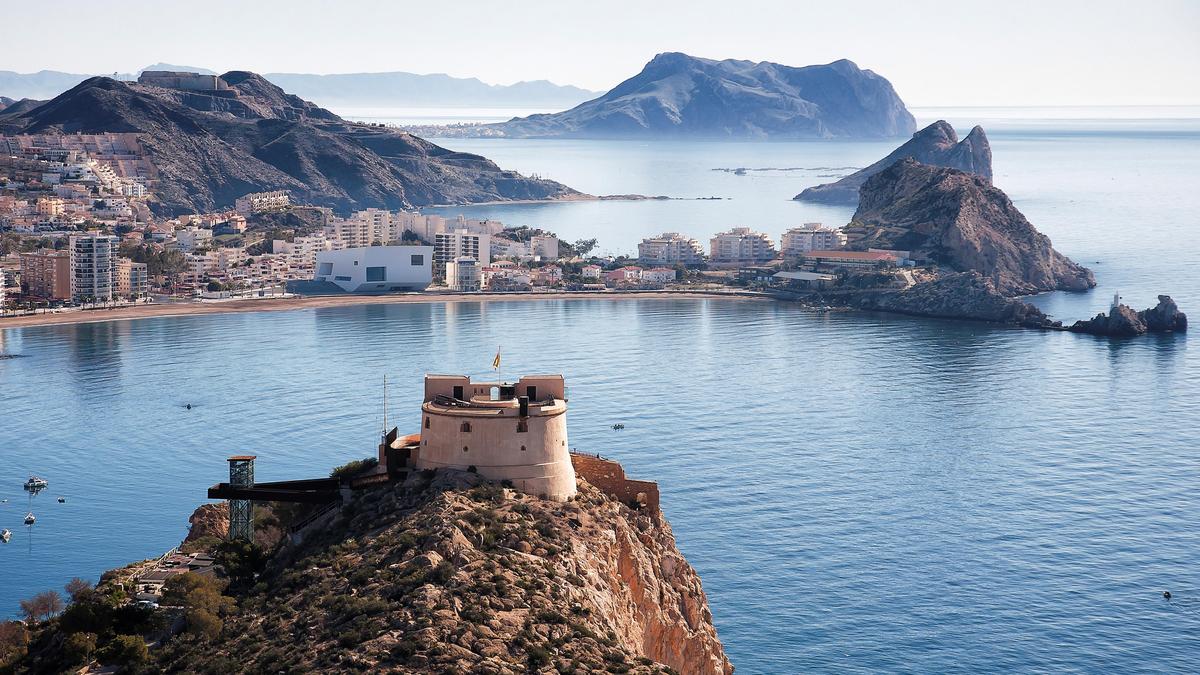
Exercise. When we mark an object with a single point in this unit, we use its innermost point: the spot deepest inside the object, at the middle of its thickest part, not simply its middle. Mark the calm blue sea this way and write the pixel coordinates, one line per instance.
(860, 493)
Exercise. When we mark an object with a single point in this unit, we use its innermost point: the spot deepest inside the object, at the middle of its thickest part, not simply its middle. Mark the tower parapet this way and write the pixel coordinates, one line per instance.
(504, 431)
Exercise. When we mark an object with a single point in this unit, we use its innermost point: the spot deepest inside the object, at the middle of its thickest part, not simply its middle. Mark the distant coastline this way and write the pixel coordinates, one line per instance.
(154, 311)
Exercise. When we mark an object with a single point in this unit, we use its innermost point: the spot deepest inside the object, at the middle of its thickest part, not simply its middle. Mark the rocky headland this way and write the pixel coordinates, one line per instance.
(208, 148)
(445, 573)
(959, 222)
(1123, 321)
(935, 145)
(681, 96)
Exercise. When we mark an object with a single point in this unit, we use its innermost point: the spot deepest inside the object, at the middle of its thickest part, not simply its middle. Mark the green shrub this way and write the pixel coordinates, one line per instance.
(124, 650)
(78, 647)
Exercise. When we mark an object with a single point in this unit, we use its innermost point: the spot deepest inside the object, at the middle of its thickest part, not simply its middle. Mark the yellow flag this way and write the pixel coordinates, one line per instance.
(496, 361)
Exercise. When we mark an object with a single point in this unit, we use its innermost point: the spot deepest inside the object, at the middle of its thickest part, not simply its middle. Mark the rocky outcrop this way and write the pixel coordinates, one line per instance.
(208, 520)
(959, 222)
(963, 295)
(935, 145)
(448, 574)
(209, 148)
(682, 96)
(1123, 321)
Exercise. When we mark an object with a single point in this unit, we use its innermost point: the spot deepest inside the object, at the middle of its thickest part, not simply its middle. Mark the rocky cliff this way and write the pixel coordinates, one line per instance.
(935, 145)
(962, 295)
(1123, 321)
(452, 575)
(960, 222)
(211, 147)
(682, 96)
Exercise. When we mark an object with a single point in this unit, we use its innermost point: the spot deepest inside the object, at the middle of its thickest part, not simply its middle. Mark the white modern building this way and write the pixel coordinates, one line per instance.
(192, 238)
(544, 246)
(93, 267)
(670, 248)
(462, 243)
(812, 237)
(742, 245)
(377, 269)
(258, 202)
(464, 274)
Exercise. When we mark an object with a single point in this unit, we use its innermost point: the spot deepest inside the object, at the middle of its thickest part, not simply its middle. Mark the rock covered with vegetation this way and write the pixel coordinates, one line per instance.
(445, 574)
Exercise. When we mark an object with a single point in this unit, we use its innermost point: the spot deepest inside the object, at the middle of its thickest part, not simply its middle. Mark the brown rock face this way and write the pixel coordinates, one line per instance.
(959, 221)
(935, 145)
(209, 520)
(440, 576)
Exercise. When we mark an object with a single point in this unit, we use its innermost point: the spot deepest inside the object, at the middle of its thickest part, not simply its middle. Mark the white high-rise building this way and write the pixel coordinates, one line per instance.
(544, 246)
(670, 248)
(742, 245)
(460, 243)
(812, 237)
(93, 267)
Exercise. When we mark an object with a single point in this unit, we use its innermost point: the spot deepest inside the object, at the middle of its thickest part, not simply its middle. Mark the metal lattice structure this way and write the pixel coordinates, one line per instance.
(241, 474)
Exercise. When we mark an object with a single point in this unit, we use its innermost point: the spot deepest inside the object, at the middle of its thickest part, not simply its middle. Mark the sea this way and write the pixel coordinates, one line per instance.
(859, 492)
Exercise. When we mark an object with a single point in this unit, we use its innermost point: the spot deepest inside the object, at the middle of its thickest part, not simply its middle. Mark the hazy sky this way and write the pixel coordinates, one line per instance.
(1100, 52)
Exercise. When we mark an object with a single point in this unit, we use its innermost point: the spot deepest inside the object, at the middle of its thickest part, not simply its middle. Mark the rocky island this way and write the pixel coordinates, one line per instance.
(1123, 321)
(682, 96)
(210, 146)
(935, 145)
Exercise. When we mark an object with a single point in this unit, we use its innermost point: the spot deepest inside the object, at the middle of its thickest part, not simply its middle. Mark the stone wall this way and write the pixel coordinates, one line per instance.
(609, 477)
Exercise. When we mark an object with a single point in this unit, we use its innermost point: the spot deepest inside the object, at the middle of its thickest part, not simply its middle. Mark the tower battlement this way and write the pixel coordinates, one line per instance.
(515, 432)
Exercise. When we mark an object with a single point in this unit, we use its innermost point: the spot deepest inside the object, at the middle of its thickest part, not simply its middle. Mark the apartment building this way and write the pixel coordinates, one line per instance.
(465, 274)
(46, 274)
(447, 246)
(742, 245)
(670, 248)
(192, 238)
(812, 237)
(132, 279)
(259, 202)
(544, 246)
(93, 267)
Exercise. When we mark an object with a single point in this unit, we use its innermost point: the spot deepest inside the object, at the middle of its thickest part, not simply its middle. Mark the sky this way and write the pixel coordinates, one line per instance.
(965, 53)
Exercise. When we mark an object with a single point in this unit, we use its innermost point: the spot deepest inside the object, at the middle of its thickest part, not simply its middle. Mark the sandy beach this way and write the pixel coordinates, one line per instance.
(319, 302)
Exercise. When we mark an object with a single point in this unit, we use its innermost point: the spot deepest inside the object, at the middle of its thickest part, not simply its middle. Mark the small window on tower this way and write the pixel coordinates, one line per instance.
(426, 422)
(466, 427)
(522, 426)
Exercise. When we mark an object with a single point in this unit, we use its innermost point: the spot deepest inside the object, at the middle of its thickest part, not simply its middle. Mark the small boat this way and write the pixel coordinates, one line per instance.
(618, 427)
(29, 519)
(5, 535)
(62, 500)
(35, 483)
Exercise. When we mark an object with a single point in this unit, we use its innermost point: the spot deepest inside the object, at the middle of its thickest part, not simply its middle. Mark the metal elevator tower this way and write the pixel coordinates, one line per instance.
(241, 474)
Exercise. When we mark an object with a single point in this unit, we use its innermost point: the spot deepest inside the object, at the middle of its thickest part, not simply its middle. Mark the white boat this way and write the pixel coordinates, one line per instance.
(5, 535)
(35, 483)
(29, 519)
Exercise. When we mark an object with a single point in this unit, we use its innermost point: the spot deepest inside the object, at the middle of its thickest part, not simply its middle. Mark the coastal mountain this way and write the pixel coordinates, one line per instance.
(209, 148)
(445, 574)
(961, 222)
(935, 145)
(677, 95)
(344, 89)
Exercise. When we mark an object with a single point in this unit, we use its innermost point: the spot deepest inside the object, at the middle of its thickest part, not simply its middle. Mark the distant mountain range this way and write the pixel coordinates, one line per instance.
(935, 145)
(209, 149)
(350, 90)
(682, 96)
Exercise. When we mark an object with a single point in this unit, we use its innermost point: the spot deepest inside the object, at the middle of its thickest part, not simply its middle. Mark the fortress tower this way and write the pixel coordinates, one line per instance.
(514, 432)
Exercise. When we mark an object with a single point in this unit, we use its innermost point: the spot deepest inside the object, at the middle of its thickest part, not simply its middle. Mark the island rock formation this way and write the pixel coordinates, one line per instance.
(1123, 321)
(935, 145)
(211, 147)
(682, 96)
(959, 222)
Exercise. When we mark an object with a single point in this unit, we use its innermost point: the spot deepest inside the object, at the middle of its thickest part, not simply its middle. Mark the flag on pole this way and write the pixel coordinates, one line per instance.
(496, 361)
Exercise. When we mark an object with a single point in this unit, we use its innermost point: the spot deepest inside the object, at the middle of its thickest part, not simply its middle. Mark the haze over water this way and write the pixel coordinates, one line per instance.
(858, 492)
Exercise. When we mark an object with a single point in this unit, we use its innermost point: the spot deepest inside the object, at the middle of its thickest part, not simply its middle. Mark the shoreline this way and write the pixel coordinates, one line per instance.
(171, 310)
